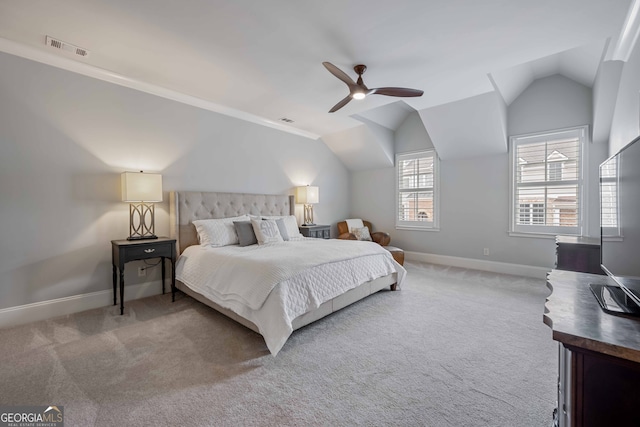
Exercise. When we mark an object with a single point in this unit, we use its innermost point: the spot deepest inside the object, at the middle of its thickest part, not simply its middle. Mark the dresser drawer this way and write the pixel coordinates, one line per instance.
(320, 234)
(316, 231)
(149, 251)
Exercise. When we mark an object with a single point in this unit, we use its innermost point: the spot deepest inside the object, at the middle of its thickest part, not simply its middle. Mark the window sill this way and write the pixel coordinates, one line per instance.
(539, 235)
(410, 228)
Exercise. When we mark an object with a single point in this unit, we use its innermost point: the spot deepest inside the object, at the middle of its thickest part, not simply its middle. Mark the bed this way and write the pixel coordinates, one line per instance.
(292, 296)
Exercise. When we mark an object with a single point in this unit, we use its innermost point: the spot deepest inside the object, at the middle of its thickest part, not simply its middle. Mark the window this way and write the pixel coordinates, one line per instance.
(547, 177)
(555, 171)
(417, 188)
(531, 213)
(609, 198)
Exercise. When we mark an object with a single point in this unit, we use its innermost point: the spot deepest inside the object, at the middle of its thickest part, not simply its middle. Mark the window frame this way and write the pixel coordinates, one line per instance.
(532, 230)
(434, 225)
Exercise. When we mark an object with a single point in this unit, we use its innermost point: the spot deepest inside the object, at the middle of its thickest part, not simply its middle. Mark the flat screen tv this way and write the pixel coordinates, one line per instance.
(620, 230)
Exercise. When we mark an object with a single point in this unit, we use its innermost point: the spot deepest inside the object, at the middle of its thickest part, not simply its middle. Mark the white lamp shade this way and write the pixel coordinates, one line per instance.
(307, 195)
(141, 187)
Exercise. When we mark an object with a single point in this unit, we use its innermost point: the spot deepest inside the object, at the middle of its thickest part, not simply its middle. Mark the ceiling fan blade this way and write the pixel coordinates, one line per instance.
(340, 104)
(339, 73)
(396, 91)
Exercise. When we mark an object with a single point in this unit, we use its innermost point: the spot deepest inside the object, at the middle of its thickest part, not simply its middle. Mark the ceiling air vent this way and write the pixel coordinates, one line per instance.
(286, 120)
(67, 47)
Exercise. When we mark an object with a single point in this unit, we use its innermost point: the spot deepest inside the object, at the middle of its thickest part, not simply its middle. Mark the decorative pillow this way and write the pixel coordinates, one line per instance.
(246, 235)
(282, 227)
(218, 232)
(266, 231)
(361, 233)
(291, 224)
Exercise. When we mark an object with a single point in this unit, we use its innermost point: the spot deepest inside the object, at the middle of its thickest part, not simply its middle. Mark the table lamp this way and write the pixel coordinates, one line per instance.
(307, 195)
(141, 190)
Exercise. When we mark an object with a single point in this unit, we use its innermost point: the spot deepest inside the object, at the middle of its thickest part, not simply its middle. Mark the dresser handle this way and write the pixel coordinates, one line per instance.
(149, 250)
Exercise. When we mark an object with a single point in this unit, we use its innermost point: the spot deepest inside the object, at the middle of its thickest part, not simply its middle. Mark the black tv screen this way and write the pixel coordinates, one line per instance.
(620, 218)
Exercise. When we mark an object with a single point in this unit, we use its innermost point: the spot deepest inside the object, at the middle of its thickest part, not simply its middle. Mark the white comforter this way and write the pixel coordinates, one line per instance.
(271, 285)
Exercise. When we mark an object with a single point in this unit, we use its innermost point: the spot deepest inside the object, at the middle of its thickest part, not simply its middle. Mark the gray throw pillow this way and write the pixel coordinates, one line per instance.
(283, 229)
(246, 235)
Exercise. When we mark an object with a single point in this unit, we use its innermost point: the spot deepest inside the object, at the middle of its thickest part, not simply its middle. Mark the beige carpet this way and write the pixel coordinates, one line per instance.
(453, 348)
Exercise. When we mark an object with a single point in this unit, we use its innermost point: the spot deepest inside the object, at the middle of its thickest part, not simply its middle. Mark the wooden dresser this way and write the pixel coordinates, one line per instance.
(599, 354)
(578, 254)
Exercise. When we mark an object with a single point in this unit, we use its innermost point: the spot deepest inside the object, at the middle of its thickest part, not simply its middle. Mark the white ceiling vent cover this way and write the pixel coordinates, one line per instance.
(59, 44)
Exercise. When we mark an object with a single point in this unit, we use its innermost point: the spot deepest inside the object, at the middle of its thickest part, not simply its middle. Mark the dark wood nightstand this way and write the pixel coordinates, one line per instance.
(318, 231)
(123, 251)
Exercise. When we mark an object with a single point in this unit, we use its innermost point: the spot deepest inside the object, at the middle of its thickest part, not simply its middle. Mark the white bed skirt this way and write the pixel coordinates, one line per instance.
(326, 308)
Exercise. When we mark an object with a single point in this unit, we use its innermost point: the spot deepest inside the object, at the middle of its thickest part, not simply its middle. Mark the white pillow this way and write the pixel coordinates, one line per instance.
(290, 223)
(266, 231)
(218, 232)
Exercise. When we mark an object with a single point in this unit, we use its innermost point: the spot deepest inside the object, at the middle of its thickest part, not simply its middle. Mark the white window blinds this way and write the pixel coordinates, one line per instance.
(609, 209)
(547, 182)
(417, 189)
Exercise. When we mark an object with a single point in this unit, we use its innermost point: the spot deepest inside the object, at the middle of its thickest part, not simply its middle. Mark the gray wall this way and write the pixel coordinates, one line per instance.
(553, 102)
(626, 118)
(474, 192)
(65, 139)
(412, 135)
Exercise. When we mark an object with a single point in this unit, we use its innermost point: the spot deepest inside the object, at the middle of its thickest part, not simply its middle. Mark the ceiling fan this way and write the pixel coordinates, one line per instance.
(358, 90)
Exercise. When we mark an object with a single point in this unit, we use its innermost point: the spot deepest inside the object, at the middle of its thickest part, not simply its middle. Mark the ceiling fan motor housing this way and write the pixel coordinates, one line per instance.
(360, 69)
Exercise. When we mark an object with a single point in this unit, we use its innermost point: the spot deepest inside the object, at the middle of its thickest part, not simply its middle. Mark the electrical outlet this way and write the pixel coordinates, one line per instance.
(486, 251)
(142, 272)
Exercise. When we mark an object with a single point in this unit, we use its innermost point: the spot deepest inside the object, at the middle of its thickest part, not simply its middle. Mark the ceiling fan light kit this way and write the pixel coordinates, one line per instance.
(358, 95)
(358, 90)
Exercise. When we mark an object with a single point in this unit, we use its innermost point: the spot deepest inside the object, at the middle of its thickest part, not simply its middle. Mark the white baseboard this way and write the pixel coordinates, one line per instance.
(62, 306)
(68, 305)
(478, 264)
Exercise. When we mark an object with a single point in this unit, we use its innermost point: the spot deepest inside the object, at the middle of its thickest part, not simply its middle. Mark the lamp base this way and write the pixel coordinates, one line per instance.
(151, 237)
(308, 215)
(141, 221)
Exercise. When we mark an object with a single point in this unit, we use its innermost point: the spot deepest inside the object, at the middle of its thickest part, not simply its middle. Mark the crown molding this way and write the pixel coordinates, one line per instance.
(68, 64)
(628, 37)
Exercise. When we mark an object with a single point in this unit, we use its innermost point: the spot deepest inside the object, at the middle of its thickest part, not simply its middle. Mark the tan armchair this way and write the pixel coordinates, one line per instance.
(380, 237)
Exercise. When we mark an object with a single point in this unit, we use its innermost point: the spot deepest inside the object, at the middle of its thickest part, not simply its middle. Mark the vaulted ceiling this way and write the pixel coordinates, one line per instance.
(262, 60)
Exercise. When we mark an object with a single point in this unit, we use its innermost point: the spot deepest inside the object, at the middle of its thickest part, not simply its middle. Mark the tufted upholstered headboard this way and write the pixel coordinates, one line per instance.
(187, 206)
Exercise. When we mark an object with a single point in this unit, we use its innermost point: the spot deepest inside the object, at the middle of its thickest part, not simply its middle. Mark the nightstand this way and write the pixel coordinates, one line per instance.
(318, 231)
(123, 251)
